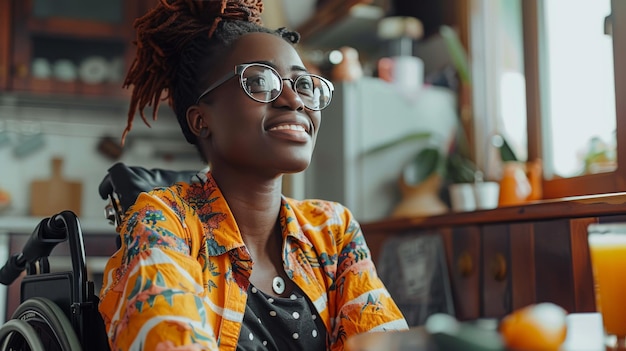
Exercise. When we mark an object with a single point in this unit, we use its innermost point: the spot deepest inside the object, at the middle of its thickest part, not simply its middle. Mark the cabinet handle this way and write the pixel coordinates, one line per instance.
(21, 70)
(498, 267)
(465, 264)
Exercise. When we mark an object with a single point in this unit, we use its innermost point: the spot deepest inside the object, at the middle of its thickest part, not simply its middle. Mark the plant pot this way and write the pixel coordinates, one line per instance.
(474, 196)
(421, 199)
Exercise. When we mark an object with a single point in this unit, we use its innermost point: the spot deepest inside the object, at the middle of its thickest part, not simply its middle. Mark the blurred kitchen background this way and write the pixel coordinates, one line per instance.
(448, 76)
(61, 99)
(430, 94)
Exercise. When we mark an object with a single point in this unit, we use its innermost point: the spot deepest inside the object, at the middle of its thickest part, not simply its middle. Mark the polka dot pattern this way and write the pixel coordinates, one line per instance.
(294, 317)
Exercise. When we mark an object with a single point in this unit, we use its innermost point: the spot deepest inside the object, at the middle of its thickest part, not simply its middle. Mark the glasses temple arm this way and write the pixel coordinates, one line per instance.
(215, 85)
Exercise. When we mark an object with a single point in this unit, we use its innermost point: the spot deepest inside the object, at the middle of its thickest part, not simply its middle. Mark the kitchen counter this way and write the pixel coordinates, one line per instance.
(502, 259)
(26, 225)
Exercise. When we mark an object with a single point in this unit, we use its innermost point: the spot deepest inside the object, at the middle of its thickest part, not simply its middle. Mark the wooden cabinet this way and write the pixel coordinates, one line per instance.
(5, 42)
(503, 259)
(71, 47)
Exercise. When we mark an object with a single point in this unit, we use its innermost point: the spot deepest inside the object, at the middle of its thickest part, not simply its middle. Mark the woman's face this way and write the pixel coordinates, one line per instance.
(250, 136)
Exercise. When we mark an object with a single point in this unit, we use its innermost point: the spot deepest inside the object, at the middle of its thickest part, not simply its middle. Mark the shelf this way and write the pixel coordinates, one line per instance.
(26, 225)
(88, 40)
(352, 23)
(56, 87)
(611, 204)
(77, 28)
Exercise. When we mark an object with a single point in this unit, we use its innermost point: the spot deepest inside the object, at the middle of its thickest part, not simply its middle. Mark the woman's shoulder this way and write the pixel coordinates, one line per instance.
(180, 198)
(190, 192)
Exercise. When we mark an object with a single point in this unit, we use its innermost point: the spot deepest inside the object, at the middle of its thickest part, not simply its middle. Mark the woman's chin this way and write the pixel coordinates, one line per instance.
(297, 167)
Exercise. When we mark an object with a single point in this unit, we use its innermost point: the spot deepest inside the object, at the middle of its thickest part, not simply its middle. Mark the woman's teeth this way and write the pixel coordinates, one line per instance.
(290, 127)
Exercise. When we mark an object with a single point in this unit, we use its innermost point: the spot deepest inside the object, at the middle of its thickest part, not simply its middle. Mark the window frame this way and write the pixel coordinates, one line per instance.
(600, 183)
(486, 103)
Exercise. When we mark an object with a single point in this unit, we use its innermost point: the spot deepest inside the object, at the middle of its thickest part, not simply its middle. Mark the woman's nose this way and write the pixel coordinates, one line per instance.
(289, 96)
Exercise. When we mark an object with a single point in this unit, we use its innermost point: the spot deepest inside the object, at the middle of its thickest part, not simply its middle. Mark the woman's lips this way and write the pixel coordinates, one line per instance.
(293, 132)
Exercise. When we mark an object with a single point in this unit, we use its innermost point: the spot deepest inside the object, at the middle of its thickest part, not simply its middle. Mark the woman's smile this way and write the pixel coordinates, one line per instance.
(290, 132)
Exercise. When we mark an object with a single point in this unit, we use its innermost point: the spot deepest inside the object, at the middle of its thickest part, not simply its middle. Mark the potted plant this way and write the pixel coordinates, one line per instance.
(428, 173)
(441, 177)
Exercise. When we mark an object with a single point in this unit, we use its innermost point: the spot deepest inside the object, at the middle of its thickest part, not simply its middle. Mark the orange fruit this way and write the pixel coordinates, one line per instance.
(537, 327)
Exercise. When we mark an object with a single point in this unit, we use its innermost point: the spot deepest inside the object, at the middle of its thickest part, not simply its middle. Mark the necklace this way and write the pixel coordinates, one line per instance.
(278, 285)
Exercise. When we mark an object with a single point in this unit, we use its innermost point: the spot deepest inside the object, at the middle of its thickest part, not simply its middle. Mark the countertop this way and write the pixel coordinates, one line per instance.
(570, 207)
(26, 225)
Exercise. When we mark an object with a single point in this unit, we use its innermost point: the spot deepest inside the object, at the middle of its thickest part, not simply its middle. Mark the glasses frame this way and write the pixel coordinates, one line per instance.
(239, 69)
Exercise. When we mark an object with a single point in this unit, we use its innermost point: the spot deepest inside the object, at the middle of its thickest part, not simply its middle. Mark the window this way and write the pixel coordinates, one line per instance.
(549, 83)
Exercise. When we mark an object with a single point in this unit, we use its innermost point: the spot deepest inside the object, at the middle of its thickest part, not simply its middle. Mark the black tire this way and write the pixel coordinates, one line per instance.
(18, 335)
(51, 324)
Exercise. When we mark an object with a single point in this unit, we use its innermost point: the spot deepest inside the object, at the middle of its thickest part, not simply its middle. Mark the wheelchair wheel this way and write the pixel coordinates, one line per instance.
(18, 335)
(50, 323)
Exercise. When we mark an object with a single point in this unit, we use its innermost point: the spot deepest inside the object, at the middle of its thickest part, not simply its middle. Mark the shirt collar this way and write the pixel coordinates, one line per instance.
(219, 223)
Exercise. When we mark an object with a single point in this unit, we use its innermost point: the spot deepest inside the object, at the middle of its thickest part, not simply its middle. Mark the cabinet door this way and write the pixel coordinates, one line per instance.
(496, 272)
(553, 263)
(581, 265)
(522, 240)
(465, 271)
(72, 46)
(5, 42)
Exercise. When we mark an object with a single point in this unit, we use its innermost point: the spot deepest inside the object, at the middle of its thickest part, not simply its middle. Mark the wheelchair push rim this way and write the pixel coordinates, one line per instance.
(49, 322)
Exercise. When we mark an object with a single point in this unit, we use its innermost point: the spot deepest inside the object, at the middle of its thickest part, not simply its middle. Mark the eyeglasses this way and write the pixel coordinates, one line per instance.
(262, 83)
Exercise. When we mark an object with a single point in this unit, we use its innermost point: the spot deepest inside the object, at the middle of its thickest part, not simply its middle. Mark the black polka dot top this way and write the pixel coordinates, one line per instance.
(280, 323)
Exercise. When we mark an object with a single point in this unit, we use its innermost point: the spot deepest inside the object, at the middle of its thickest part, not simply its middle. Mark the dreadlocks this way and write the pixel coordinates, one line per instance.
(177, 43)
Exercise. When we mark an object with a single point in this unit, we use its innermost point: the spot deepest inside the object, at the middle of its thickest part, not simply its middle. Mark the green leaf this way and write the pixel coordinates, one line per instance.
(406, 138)
(460, 169)
(457, 52)
(506, 152)
(428, 161)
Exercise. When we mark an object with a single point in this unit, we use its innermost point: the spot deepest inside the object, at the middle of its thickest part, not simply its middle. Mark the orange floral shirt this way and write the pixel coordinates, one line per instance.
(180, 279)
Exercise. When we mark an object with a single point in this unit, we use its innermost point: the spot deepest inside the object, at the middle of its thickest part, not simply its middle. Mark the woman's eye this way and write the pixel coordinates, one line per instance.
(257, 84)
(305, 85)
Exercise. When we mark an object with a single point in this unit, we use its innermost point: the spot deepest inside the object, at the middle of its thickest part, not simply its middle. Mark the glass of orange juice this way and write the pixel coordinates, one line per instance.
(607, 246)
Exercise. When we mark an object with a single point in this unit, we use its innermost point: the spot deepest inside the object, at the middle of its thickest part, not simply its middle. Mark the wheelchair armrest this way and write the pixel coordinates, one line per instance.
(127, 182)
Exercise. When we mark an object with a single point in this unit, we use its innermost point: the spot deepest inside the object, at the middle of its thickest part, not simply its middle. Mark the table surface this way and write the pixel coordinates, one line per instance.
(585, 333)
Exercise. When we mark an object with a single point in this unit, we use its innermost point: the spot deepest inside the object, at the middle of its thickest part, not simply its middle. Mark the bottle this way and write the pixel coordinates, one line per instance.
(349, 68)
(515, 187)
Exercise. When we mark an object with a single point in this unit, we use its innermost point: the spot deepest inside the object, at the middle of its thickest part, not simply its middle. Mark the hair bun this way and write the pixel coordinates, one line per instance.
(241, 10)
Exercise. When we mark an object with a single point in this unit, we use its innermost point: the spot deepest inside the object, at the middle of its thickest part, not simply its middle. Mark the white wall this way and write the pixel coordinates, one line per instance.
(73, 132)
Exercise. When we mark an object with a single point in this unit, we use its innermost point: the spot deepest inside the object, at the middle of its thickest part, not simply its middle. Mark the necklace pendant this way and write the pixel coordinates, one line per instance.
(278, 285)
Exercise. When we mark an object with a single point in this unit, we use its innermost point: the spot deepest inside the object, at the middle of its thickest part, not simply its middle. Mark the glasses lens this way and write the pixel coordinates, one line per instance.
(314, 91)
(261, 83)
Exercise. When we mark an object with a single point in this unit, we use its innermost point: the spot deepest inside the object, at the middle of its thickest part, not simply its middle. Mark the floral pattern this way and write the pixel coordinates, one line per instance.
(180, 280)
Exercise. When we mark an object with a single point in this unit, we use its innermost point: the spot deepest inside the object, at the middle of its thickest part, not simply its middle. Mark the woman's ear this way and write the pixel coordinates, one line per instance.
(197, 122)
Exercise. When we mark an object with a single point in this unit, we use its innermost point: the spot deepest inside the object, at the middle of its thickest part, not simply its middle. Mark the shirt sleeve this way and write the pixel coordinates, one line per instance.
(152, 296)
(363, 303)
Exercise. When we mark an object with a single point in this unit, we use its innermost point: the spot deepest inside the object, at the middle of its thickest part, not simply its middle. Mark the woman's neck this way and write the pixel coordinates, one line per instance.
(255, 204)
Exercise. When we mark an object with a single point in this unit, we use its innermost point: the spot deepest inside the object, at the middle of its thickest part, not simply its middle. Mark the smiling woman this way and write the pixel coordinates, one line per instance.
(225, 260)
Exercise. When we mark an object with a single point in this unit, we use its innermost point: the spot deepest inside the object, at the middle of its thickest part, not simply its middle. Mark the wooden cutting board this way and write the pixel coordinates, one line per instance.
(50, 196)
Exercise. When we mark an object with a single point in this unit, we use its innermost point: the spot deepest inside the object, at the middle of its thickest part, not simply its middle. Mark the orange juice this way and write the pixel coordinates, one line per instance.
(608, 260)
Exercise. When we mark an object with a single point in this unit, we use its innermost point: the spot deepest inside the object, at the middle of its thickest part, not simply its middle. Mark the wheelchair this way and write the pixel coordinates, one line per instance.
(59, 310)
